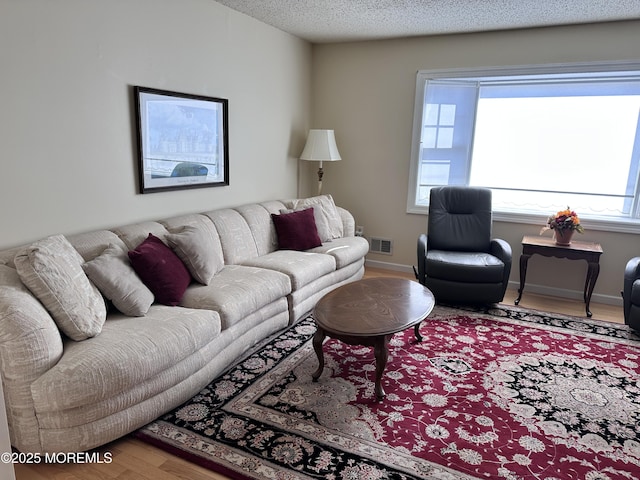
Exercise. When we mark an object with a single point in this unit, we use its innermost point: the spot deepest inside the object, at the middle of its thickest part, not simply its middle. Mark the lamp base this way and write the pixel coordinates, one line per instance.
(320, 175)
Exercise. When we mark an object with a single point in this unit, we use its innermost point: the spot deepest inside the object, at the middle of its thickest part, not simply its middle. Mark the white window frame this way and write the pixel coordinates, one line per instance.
(619, 224)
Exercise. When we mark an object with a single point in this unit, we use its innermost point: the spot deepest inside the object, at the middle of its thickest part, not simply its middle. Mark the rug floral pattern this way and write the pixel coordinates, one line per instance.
(503, 393)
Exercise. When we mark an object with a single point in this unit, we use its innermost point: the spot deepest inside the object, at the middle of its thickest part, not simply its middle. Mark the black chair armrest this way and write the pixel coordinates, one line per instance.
(632, 269)
(422, 258)
(501, 249)
(631, 274)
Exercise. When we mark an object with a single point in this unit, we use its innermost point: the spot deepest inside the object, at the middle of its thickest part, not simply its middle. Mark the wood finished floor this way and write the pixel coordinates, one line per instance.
(135, 460)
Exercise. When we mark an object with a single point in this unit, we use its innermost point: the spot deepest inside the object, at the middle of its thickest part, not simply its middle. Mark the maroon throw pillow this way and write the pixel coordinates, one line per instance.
(161, 270)
(296, 230)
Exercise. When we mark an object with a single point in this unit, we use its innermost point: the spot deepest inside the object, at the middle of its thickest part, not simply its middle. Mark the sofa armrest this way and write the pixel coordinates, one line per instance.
(348, 222)
(30, 344)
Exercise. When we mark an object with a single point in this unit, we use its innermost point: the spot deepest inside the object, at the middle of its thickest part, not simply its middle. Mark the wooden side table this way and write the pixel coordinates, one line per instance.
(547, 247)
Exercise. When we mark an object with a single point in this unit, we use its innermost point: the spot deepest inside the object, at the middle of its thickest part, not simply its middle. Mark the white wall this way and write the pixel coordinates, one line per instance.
(68, 157)
(365, 91)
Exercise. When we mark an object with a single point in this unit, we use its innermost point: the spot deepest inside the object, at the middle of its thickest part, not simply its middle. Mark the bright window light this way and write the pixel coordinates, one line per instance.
(577, 150)
(540, 138)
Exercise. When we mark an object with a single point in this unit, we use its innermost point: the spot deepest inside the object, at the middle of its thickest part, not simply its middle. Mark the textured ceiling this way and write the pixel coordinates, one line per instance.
(324, 21)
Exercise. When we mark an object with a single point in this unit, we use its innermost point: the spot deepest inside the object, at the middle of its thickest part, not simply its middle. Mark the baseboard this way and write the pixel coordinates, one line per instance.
(529, 288)
(395, 267)
(566, 293)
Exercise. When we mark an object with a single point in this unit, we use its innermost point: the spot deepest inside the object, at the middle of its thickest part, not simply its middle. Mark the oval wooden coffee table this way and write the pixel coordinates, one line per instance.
(368, 312)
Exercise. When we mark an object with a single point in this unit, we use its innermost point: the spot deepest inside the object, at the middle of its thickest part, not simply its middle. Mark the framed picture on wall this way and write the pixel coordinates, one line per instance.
(183, 140)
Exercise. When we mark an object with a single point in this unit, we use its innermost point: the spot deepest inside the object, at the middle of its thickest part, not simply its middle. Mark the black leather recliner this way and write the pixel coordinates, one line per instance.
(457, 258)
(631, 293)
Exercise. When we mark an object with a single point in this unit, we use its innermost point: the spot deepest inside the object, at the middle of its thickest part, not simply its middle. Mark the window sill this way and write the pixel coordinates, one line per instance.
(619, 225)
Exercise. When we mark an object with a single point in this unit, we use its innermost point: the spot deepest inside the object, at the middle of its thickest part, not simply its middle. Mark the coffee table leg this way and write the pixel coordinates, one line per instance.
(416, 330)
(381, 352)
(318, 339)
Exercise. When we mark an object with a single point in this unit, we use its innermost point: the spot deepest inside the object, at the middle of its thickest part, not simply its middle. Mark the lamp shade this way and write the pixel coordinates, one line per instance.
(321, 147)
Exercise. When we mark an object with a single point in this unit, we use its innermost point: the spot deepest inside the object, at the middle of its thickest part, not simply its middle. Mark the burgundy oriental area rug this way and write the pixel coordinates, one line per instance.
(500, 393)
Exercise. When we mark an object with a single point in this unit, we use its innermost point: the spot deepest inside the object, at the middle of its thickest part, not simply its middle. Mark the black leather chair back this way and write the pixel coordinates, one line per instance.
(460, 219)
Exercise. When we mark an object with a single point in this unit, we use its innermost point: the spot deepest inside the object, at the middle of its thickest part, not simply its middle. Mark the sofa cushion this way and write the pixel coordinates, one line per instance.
(263, 230)
(236, 237)
(345, 250)
(129, 351)
(8, 256)
(52, 269)
(161, 270)
(328, 217)
(112, 273)
(194, 245)
(135, 233)
(301, 267)
(238, 291)
(91, 244)
(296, 230)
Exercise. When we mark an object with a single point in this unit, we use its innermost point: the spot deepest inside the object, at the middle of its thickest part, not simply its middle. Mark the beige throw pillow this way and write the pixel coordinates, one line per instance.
(114, 276)
(327, 218)
(52, 270)
(195, 247)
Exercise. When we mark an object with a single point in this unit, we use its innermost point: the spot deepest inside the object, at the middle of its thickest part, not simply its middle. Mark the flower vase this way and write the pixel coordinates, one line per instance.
(563, 237)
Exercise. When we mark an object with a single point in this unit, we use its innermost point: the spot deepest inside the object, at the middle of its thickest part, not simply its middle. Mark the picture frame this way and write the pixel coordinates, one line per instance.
(183, 140)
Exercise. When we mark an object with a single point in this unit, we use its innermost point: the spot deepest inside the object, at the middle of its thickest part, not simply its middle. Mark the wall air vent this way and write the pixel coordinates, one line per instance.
(381, 245)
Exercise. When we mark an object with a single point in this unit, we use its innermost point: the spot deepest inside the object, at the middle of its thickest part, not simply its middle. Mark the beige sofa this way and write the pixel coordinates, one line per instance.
(124, 370)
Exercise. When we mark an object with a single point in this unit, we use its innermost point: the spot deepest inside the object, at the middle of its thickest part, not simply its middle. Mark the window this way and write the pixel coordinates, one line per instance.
(540, 138)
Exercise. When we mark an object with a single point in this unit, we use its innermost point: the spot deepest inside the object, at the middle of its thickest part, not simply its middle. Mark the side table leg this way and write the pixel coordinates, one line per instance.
(318, 339)
(592, 275)
(524, 260)
(381, 352)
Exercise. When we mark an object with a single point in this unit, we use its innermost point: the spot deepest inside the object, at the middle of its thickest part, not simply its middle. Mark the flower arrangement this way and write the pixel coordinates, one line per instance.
(563, 220)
